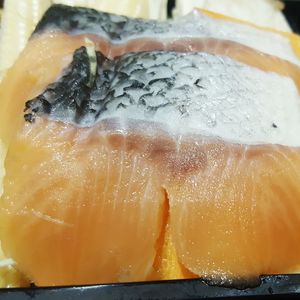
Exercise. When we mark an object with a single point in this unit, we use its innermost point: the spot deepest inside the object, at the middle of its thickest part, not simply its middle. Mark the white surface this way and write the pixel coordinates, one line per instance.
(261, 12)
(267, 42)
(232, 101)
(199, 25)
(6, 262)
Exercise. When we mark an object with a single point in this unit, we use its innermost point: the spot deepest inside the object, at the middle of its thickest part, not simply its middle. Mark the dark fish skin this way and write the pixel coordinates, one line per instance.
(146, 82)
(121, 30)
(191, 90)
(129, 80)
(85, 20)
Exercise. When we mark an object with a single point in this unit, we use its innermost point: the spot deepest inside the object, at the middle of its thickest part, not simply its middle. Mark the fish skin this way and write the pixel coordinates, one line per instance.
(59, 48)
(114, 27)
(208, 94)
(120, 29)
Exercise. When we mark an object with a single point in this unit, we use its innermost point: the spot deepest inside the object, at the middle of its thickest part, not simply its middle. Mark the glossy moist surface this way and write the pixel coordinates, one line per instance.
(209, 94)
(100, 188)
(120, 29)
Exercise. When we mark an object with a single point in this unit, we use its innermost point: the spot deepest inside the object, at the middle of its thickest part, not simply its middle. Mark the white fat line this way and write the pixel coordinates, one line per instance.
(7, 262)
(50, 219)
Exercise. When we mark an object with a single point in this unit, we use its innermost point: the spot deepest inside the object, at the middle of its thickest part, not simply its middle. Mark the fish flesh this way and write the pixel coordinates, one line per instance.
(141, 150)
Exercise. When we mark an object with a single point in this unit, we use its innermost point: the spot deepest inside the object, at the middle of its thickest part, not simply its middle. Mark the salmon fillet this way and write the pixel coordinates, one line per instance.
(142, 150)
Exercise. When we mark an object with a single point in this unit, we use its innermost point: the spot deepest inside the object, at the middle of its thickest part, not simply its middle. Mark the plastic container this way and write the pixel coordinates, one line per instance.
(279, 287)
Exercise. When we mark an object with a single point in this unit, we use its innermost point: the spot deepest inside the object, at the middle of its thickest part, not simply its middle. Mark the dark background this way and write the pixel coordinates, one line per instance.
(292, 13)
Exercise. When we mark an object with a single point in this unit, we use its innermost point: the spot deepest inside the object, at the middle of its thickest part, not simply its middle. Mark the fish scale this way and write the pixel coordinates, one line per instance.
(212, 98)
